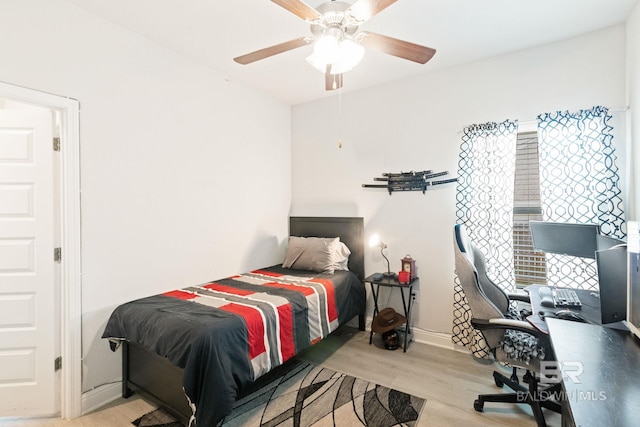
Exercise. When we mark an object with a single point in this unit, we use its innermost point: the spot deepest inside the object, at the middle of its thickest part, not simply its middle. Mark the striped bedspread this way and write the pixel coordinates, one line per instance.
(227, 333)
(269, 316)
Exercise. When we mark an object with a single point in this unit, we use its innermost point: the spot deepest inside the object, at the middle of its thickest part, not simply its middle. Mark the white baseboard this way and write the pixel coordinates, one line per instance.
(100, 396)
(423, 336)
(437, 339)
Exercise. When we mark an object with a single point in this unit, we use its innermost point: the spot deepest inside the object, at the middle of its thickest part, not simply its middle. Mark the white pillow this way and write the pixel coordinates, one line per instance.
(341, 257)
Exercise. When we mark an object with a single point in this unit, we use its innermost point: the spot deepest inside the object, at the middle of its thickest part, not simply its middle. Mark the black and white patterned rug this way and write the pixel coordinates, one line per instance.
(308, 395)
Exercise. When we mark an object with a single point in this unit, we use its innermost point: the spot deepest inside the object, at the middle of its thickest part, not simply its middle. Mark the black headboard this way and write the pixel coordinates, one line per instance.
(349, 229)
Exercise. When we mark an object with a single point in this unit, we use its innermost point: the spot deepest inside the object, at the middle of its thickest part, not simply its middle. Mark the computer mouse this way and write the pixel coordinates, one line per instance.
(570, 315)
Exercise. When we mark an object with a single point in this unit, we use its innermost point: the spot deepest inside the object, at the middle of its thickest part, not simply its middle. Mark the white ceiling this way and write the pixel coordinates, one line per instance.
(213, 32)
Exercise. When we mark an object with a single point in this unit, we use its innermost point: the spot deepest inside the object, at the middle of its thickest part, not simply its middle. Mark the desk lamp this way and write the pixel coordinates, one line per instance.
(375, 241)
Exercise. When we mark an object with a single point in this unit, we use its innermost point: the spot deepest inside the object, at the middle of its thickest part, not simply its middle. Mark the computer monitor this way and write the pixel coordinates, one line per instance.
(607, 242)
(633, 278)
(612, 282)
(579, 240)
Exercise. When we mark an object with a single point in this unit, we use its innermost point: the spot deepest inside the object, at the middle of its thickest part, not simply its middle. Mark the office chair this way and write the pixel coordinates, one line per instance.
(503, 332)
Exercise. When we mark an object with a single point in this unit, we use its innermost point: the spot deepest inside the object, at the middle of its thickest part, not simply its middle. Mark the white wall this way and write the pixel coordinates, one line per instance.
(633, 101)
(185, 176)
(415, 125)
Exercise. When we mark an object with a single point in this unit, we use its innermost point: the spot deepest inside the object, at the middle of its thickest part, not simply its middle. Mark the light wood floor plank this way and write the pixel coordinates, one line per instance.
(449, 380)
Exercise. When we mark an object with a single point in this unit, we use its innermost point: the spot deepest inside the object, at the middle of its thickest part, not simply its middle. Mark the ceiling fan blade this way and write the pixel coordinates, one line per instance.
(332, 81)
(400, 48)
(365, 9)
(299, 8)
(272, 50)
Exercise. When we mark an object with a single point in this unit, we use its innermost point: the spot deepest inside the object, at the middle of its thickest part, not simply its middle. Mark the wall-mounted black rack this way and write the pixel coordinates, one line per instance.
(410, 181)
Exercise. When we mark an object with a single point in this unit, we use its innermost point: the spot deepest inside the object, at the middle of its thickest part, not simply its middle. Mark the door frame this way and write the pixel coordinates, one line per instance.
(70, 239)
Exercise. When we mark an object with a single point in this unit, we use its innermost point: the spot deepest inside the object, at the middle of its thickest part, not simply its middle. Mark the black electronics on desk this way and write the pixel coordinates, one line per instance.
(585, 240)
(612, 282)
(565, 238)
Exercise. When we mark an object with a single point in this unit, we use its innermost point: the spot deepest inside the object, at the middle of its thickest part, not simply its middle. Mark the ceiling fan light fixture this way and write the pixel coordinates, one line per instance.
(326, 49)
(350, 55)
(315, 63)
(338, 45)
(347, 55)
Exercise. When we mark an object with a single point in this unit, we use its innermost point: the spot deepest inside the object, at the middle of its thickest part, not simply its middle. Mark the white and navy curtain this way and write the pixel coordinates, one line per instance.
(484, 204)
(579, 183)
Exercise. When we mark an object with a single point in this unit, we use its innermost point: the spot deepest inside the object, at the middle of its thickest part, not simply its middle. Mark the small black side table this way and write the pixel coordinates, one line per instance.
(392, 282)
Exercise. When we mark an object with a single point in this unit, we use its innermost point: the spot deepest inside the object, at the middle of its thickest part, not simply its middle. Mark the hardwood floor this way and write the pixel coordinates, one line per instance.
(448, 380)
(118, 413)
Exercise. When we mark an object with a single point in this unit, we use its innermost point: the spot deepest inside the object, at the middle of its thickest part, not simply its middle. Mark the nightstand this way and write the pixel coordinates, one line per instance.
(392, 282)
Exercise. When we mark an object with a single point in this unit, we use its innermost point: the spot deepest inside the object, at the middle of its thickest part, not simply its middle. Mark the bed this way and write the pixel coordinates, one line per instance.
(195, 350)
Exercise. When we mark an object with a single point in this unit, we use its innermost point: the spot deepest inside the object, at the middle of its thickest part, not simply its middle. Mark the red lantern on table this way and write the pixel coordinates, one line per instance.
(409, 265)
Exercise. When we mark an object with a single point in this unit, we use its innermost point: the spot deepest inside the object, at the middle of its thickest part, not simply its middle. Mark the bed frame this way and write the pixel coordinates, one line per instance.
(156, 379)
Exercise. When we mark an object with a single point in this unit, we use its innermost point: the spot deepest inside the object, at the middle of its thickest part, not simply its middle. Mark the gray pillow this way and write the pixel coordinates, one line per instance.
(311, 254)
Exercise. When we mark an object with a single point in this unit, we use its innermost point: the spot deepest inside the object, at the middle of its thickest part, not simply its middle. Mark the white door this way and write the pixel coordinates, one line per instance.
(27, 287)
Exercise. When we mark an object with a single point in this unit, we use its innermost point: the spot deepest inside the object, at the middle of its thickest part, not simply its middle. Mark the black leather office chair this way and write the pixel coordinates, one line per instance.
(511, 340)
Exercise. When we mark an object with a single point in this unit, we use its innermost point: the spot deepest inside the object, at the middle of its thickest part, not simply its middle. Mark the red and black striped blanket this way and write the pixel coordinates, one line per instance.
(227, 333)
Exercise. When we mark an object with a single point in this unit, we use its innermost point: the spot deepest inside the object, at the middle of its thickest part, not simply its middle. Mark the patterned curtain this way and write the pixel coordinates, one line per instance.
(579, 184)
(484, 204)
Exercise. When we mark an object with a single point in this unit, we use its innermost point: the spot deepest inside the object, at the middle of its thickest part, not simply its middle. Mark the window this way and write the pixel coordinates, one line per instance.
(530, 266)
(562, 168)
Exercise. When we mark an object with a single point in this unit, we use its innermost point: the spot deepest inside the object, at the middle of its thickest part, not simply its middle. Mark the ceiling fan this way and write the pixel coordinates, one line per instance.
(338, 45)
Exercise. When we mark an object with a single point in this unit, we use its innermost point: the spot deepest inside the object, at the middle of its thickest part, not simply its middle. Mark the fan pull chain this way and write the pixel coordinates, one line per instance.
(340, 118)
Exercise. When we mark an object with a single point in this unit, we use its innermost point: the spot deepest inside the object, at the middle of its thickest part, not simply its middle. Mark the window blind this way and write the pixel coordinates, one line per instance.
(530, 266)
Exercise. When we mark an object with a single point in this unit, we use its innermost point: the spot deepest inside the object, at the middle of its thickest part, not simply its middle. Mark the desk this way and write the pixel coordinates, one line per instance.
(607, 394)
(590, 309)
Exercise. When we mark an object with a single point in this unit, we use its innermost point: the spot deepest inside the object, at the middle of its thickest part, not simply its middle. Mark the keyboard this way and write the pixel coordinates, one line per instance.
(566, 298)
(551, 297)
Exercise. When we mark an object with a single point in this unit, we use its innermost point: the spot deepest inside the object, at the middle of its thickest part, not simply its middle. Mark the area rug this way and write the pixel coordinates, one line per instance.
(157, 418)
(309, 395)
